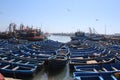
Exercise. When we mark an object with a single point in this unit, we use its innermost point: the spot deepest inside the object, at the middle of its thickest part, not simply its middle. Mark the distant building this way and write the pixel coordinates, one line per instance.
(117, 34)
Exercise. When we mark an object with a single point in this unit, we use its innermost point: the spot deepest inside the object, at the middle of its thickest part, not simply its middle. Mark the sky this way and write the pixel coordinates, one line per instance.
(62, 15)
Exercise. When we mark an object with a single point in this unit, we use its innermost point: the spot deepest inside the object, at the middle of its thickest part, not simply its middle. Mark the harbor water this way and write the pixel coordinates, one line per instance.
(63, 39)
(64, 74)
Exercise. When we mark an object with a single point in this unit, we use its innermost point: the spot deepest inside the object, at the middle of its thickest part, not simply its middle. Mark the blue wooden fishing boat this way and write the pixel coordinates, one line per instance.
(79, 36)
(101, 68)
(74, 62)
(64, 51)
(57, 62)
(47, 45)
(93, 76)
(34, 56)
(22, 61)
(16, 70)
(91, 57)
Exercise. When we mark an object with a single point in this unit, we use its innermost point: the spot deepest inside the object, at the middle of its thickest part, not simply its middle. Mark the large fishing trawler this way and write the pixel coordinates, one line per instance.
(24, 32)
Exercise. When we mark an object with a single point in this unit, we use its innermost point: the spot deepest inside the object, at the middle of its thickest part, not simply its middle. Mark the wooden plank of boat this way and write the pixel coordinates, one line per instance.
(95, 70)
(103, 60)
(28, 57)
(79, 48)
(114, 78)
(11, 60)
(77, 58)
(101, 78)
(15, 68)
(27, 62)
(4, 58)
(92, 62)
(105, 69)
(114, 68)
(21, 55)
(5, 66)
(19, 61)
(16, 54)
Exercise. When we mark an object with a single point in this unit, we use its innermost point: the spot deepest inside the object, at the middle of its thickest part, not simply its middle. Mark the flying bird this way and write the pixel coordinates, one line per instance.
(97, 20)
(68, 10)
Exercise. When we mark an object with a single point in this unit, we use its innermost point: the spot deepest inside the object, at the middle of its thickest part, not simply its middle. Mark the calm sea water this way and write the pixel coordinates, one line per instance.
(63, 39)
(64, 74)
